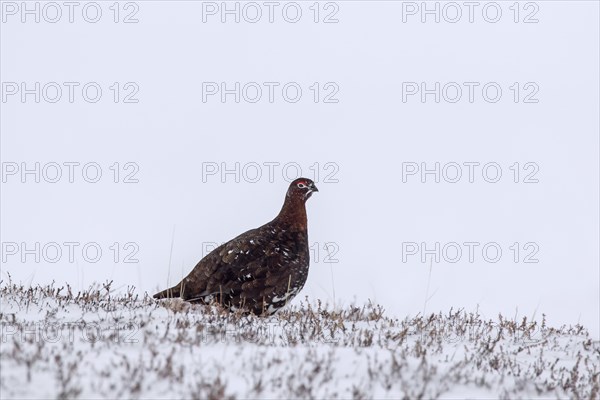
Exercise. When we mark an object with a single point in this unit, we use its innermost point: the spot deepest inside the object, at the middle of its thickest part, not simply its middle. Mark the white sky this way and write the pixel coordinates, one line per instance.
(171, 134)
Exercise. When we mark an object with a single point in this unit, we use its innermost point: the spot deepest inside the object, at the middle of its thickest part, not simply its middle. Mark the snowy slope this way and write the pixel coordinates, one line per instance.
(60, 344)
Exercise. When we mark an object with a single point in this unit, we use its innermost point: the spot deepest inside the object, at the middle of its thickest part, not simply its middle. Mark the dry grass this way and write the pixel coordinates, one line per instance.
(95, 343)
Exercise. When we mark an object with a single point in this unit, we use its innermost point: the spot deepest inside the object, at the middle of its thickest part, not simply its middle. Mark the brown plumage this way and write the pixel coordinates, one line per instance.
(259, 271)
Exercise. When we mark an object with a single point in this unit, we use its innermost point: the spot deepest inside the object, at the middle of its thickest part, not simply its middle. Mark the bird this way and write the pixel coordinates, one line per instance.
(259, 271)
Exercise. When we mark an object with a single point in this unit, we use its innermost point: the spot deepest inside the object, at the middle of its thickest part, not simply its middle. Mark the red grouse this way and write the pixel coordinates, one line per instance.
(259, 271)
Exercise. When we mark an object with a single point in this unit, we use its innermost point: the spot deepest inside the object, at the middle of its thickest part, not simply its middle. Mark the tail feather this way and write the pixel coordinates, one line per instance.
(175, 291)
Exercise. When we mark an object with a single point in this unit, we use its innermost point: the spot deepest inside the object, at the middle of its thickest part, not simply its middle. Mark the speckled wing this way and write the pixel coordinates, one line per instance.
(247, 268)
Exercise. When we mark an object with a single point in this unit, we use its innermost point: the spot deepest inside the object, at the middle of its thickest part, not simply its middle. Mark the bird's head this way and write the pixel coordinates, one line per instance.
(301, 188)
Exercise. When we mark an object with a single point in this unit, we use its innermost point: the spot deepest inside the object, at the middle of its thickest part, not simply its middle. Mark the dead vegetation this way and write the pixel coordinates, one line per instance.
(56, 343)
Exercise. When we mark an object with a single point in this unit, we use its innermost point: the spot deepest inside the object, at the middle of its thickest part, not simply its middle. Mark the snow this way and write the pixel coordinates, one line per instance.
(99, 343)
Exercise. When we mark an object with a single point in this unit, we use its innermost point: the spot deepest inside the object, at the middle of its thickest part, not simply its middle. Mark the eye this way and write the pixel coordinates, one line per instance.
(301, 185)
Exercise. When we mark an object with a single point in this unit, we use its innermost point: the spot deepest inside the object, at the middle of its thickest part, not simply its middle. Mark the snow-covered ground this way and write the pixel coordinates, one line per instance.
(58, 343)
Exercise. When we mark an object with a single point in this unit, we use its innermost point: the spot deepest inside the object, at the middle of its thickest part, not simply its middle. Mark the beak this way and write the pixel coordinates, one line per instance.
(311, 190)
